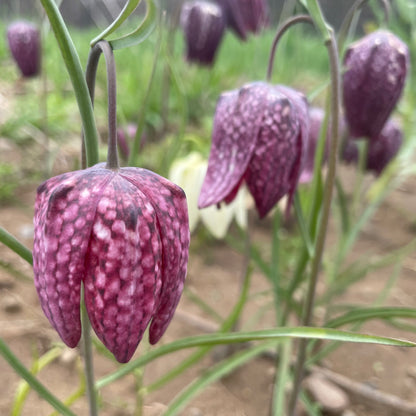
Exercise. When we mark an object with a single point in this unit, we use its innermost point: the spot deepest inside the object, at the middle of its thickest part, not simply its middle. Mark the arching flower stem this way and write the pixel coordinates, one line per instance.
(331, 45)
(90, 75)
(330, 42)
(301, 18)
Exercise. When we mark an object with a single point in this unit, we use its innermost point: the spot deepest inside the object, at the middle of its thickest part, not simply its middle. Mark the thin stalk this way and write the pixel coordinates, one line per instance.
(88, 359)
(76, 74)
(90, 75)
(327, 199)
(302, 18)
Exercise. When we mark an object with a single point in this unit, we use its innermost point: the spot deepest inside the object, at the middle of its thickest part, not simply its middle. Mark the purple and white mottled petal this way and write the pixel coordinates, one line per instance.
(374, 77)
(123, 274)
(237, 122)
(169, 203)
(269, 172)
(301, 106)
(64, 213)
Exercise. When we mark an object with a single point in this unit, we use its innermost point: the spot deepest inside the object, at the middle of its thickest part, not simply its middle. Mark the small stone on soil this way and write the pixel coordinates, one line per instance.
(332, 399)
(10, 304)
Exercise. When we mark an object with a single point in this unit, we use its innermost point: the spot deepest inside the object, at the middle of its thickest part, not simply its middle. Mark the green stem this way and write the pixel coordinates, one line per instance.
(302, 18)
(331, 44)
(90, 74)
(14, 244)
(76, 74)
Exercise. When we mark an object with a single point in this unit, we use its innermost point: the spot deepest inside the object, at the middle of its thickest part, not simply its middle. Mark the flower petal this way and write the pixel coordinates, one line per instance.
(169, 203)
(238, 117)
(64, 214)
(123, 275)
(376, 68)
(269, 173)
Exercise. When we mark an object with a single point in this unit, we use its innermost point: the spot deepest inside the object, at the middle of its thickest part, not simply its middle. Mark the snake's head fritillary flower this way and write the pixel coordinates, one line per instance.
(203, 24)
(258, 137)
(375, 71)
(381, 150)
(245, 16)
(124, 235)
(24, 43)
(189, 173)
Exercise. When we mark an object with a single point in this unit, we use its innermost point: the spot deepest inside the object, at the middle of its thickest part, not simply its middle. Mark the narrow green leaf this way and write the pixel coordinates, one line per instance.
(23, 388)
(215, 373)
(365, 314)
(142, 32)
(238, 337)
(124, 14)
(14, 244)
(36, 385)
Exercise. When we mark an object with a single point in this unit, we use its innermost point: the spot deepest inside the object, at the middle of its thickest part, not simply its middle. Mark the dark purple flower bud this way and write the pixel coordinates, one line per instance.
(245, 16)
(258, 137)
(385, 147)
(381, 149)
(24, 44)
(203, 24)
(124, 234)
(375, 72)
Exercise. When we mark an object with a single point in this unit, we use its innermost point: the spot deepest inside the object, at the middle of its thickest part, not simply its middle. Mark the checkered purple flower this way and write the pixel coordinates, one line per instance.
(203, 24)
(124, 235)
(24, 43)
(375, 71)
(259, 137)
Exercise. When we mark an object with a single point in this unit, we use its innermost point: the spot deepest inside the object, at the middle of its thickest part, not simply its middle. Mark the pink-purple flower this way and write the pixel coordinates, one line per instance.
(259, 136)
(203, 24)
(375, 71)
(245, 16)
(24, 43)
(381, 150)
(124, 235)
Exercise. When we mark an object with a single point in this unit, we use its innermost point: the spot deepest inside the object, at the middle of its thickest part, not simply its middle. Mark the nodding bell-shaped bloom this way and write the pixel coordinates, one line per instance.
(259, 136)
(189, 173)
(203, 24)
(245, 16)
(381, 150)
(24, 43)
(124, 235)
(375, 71)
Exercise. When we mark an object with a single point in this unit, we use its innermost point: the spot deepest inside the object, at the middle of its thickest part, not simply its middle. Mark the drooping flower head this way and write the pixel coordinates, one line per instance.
(380, 151)
(124, 235)
(245, 16)
(375, 71)
(203, 24)
(259, 137)
(24, 43)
